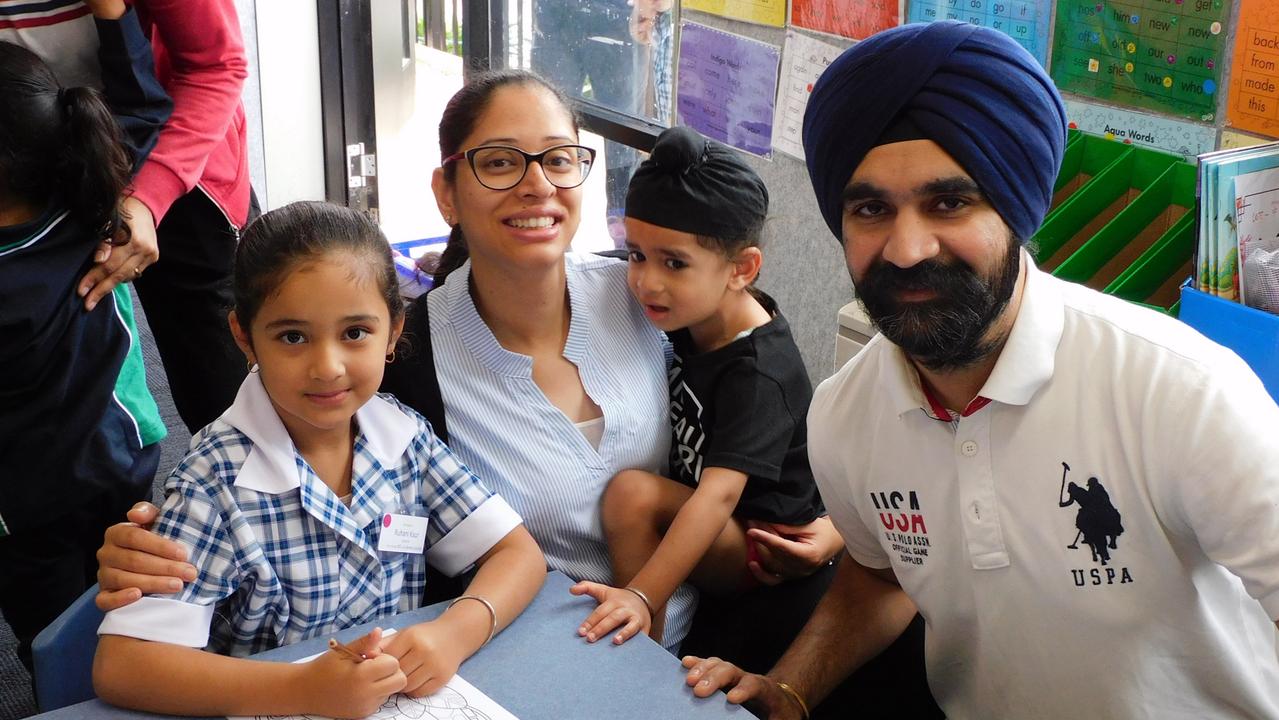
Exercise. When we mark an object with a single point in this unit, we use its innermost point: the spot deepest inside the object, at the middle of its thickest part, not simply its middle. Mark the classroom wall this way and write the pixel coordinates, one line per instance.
(803, 263)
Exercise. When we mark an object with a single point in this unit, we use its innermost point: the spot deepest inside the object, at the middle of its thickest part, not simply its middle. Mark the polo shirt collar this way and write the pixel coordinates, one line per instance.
(1024, 365)
(1029, 355)
(272, 465)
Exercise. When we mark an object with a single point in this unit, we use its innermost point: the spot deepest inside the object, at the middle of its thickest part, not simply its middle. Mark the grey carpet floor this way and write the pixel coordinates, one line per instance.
(16, 700)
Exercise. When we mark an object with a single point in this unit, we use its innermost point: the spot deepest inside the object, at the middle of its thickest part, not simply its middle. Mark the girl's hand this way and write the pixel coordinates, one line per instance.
(617, 608)
(343, 688)
(428, 654)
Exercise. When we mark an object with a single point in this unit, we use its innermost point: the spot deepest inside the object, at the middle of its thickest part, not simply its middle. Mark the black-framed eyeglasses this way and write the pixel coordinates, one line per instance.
(502, 167)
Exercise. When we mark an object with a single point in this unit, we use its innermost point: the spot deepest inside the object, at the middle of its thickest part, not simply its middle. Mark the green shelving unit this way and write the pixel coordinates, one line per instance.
(1122, 221)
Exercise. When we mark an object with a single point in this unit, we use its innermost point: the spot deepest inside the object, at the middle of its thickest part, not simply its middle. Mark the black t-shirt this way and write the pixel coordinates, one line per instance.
(743, 407)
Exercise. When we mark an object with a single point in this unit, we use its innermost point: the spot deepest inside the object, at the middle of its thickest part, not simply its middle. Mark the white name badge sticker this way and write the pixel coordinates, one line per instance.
(402, 533)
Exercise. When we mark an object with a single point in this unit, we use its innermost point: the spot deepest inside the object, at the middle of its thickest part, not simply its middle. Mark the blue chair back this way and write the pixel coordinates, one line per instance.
(63, 655)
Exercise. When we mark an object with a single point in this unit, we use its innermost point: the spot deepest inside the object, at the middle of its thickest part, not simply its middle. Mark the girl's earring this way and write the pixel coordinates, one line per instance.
(390, 357)
(253, 367)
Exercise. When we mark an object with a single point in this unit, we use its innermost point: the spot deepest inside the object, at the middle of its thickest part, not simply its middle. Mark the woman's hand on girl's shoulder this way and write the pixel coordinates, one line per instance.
(132, 561)
(618, 608)
(429, 656)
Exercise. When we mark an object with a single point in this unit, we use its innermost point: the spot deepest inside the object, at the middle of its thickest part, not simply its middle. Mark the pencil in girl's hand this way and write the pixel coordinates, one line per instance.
(344, 650)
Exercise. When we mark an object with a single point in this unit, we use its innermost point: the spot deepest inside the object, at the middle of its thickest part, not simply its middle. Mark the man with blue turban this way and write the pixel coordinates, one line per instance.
(943, 450)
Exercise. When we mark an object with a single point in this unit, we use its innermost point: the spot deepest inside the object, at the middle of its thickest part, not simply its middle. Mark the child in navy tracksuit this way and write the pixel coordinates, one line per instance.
(79, 432)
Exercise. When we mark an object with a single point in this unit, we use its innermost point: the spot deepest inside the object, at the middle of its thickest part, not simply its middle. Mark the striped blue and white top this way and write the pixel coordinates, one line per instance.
(503, 427)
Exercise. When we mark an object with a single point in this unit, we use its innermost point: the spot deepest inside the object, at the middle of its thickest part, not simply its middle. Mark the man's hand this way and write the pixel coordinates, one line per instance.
(759, 693)
(792, 551)
(115, 264)
(132, 561)
(617, 608)
(106, 9)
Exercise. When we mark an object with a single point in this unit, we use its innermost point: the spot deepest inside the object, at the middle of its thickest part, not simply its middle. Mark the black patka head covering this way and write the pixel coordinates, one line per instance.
(974, 91)
(696, 185)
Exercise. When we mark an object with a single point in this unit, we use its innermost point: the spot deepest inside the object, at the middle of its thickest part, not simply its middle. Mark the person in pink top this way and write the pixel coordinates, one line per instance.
(191, 196)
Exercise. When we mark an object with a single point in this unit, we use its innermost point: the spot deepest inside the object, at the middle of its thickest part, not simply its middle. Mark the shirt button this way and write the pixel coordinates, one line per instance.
(969, 448)
(977, 512)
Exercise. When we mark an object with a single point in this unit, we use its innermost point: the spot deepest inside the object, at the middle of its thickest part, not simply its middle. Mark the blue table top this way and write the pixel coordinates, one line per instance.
(537, 668)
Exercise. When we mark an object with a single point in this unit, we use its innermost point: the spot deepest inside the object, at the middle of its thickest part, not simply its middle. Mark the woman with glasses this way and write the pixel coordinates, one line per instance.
(551, 378)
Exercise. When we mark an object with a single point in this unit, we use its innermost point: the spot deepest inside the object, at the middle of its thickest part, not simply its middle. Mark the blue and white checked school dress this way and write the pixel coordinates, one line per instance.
(280, 558)
(501, 424)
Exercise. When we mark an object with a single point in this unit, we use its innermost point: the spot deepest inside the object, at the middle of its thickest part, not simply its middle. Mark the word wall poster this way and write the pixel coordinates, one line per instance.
(1025, 21)
(727, 87)
(1161, 55)
(856, 19)
(1254, 73)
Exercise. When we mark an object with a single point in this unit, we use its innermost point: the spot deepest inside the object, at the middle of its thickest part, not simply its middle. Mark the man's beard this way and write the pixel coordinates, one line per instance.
(947, 332)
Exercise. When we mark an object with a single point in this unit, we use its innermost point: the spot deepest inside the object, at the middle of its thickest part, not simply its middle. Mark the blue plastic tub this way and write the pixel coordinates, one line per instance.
(1252, 333)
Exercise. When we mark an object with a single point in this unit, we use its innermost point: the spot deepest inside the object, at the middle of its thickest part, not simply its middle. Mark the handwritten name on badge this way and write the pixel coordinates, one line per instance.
(402, 533)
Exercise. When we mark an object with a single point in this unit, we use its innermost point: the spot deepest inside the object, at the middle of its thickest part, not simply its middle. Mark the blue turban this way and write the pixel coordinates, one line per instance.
(974, 91)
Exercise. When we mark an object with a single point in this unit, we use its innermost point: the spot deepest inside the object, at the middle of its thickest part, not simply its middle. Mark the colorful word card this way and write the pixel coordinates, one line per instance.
(1161, 133)
(1254, 74)
(1025, 21)
(803, 60)
(763, 12)
(857, 19)
(1162, 55)
(727, 87)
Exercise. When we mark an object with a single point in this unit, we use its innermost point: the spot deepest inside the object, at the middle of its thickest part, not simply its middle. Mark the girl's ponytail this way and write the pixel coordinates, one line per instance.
(95, 167)
(59, 144)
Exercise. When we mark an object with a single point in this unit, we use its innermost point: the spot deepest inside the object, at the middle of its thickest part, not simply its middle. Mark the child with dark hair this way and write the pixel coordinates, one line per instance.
(314, 504)
(739, 392)
(79, 432)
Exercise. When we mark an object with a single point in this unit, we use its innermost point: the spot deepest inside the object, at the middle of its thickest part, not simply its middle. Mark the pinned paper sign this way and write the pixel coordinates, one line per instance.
(1254, 77)
(856, 19)
(803, 61)
(728, 87)
(1159, 55)
(1175, 136)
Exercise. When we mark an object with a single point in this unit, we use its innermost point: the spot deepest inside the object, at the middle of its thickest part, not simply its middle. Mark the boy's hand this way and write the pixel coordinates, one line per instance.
(617, 608)
(343, 688)
(428, 657)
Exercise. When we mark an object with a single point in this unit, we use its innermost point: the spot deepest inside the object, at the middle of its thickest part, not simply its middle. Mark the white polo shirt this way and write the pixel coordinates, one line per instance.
(978, 519)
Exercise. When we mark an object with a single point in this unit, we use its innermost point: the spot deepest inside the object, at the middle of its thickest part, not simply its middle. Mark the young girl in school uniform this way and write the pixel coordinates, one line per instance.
(313, 504)
(739, 392)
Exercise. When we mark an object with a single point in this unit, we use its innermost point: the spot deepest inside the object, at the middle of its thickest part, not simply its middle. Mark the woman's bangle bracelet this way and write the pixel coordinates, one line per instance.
(492, 614)
(643, 598)
(794, 695)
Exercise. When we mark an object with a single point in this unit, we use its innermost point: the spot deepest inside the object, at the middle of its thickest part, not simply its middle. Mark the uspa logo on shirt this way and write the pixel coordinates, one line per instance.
(1098, 525)
(903, 522)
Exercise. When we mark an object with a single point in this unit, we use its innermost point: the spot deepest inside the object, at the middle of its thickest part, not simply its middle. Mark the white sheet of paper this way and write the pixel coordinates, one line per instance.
(803, 60)
(457, 700)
